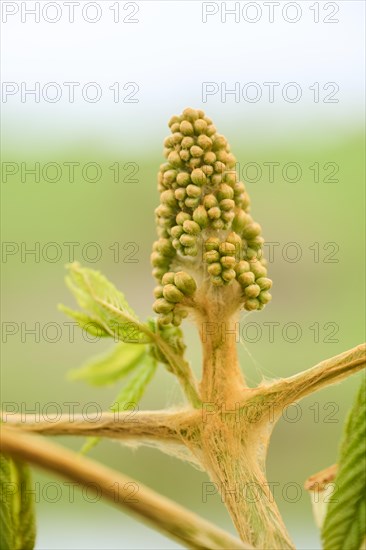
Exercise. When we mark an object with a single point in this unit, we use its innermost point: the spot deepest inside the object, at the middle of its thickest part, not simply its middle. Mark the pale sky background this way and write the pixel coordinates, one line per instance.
(169, 53)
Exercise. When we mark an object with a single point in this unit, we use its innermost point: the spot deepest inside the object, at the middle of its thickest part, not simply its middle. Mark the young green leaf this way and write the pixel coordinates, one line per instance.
(135, 387)
(345, 523)
(17, 515)
(130, 394)
(85, 322)
(7, 531)
(111, 366)
(105, 307)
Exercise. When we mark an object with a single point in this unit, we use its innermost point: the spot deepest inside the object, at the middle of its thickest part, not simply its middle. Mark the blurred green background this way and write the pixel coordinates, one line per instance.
(321, 295)
(306, 292)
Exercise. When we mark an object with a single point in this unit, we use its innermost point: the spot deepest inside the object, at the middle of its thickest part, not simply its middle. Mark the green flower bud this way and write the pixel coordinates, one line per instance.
(219, 167)
(251, 254)
(258, 269)
(176, 231)
(211, 130)
(264, 283)
(239, 188)
(234, 239)
(194, 163)
(214, 213)
(227, 261)
(164, 211)
(190, 251)
(187, 142)
(227, 204)
(169, 176)
(242, 267)
(183, 178)
(190, 114)
(175, 127)
(185, 283)
(174, 159)
(191, 227)
(200, 126)
(207, 169)
(177, 319)
(252, 291)
(176, 244)
(240, 221)
(231, 178)
(225, 192)
(180, 193)
(168, 141)
(168, 278)
(167, 197)
(219, 142)
(230, 160)
(172, 294)
(176, 138)
(188, 240)
(193, 190)
(211, 256)
(214, 269)
(191, 202)
(158, 272)
(228, 275)
(251, 231)
(158, 260)
(217, 224)
(200, 216)
(158, 291)
(198, 177)
(173, 120)
(164, 246)
(256, 243)
(252, 304)
(265, 297)
(166, 319)
(182, 217)
(184, 155)
(210, 201)
(216, 179)
(246, 279)
(186, 128)
(204, 142)
(212, 243)
(196, 151)
(217, 281)
(162, 306)
(227, 249)
(209, 157)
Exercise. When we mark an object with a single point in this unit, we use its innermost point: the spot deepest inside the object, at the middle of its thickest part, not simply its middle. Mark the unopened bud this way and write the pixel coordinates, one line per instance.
(185, 283)
(172, 293)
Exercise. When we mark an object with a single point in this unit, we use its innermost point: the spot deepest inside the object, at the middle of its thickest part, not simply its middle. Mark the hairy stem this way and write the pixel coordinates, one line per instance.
(162, 513)
(221, 376)
(144, 425)
(281, 393)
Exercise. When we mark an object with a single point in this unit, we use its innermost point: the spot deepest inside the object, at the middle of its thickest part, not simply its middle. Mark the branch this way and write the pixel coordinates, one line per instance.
(162, 513)
(182, 371)
(281, 393)
(131, 425)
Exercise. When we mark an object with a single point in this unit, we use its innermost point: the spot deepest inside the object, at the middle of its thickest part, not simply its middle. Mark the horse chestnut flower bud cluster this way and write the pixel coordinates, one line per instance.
(203, 221)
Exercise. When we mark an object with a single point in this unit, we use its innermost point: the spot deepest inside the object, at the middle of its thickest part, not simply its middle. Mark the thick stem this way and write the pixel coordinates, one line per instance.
(162, 513)
(222, 378)
(233, 449)
(234, 455)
